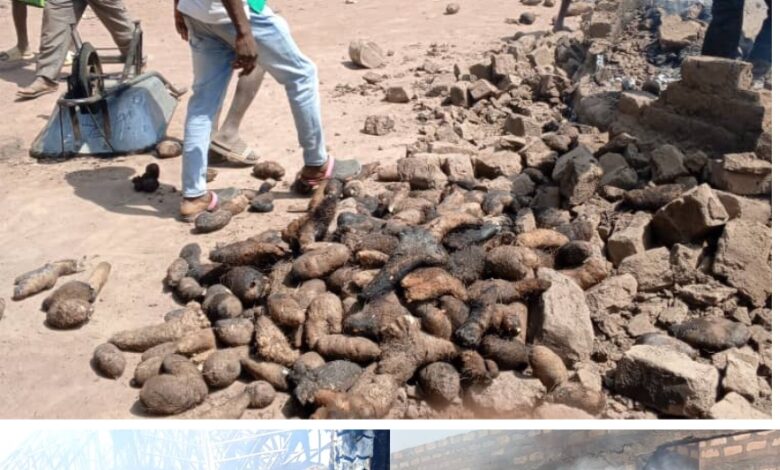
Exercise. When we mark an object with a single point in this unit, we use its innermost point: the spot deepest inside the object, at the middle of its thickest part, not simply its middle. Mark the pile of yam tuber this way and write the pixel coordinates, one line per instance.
(370, 304)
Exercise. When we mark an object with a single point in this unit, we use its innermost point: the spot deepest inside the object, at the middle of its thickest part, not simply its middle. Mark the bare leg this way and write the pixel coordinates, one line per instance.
(558, 25)
(246, 89)
(19, 11)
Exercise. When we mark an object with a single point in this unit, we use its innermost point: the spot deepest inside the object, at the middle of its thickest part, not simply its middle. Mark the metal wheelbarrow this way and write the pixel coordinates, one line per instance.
(108, 114)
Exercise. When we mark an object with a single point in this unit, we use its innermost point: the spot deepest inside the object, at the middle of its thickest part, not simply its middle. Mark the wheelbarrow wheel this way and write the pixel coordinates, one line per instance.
(86, 78)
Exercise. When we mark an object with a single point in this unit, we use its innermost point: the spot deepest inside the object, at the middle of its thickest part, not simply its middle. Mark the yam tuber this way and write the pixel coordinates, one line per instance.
(350, 348)
(109, 361)
(44, 278)
(272, 344)
(431, 283)
(547, 367)
(141, 339)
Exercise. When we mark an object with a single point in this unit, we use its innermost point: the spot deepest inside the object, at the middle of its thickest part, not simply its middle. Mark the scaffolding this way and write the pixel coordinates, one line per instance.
(172, 449)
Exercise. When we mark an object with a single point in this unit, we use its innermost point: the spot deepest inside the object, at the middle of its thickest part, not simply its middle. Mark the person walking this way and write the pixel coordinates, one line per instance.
(243, 35)
(59, 16)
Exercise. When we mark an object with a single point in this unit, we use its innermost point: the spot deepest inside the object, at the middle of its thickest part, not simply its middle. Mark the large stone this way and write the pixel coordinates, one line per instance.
(459, 167)
(716, 75)
(652, 269)
(741, 374)
(495, 164)
(667, 163)
(459, 94)
(538, 155)
(735, 406)
(482, 89)
(712, 333)
(522, 126)
(509, 394)
(563, 160)
(580, 178)
(742, 259)
(666, 380)
(674, 33)
(633, 239)
(366, 54)
(691, 216)
(745, 208)
(561, 320)
(379, 124)
(742, 173)
(617, 172)
(399, 94)
(421, 173)
(612, 295)
(503, 65)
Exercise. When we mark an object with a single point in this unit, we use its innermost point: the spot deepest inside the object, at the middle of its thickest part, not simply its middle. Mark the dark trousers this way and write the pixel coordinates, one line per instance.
(724, 32)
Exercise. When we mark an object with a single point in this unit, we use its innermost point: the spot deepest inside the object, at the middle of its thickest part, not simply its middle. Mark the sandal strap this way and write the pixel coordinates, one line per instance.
(214, 203)
(328, 173)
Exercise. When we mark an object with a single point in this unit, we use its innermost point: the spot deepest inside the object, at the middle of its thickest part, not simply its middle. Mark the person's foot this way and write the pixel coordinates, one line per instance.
(761, 71)
(233, 150)
(191, 207)
(41, 86)
(15, 54)
(310, 177)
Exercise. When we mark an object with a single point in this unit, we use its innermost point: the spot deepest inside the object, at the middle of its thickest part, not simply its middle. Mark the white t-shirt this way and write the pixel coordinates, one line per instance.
(208, 11)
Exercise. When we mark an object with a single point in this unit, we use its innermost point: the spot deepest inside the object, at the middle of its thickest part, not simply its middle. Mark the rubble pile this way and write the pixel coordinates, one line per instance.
(516, 263)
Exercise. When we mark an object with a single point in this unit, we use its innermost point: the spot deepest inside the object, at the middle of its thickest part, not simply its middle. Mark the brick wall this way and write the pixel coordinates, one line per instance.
(752, 451)
(536, 450)
(486, 450)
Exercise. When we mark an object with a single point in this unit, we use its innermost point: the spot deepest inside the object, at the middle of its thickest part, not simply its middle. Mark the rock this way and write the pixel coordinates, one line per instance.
(667, 163)
(459, 94)
(633, 239)
(577, 395)
(527, 18)
(539, 156)
(689, 217)
(452, 8)
(561, 319)
(742, 173)
(509, 394)
(650, 268)
(421, 173)
(458, 167)
(632, 103)
(482, 89)
(742, 259)
(542, 57)
(262, 203)
(640, 325)
(373, 78)
(580, 178)
(617, 172)
(735, 406)
(399, 94)
(741, 374)
(366, 54)
(522, 126)
(664, 341)
(613, 294)
(674, 33)
(667, 380)
(379, 124)
(745, 208)
(712, 334)
(502, 66)
(495, 164)
(705, 295)
(169, 148)
(715, 75)
(440, 382)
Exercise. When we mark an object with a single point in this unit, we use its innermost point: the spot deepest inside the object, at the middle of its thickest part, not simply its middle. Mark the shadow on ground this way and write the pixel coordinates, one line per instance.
(110, 188)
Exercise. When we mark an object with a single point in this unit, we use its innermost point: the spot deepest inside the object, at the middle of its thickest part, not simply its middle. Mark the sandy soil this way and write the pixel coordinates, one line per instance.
(86, 206)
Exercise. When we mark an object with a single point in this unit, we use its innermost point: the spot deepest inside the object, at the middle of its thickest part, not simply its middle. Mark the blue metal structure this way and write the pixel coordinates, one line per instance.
(173, 449)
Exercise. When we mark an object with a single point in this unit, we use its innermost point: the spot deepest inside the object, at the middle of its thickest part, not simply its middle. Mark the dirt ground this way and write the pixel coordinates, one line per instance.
(87, 207)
